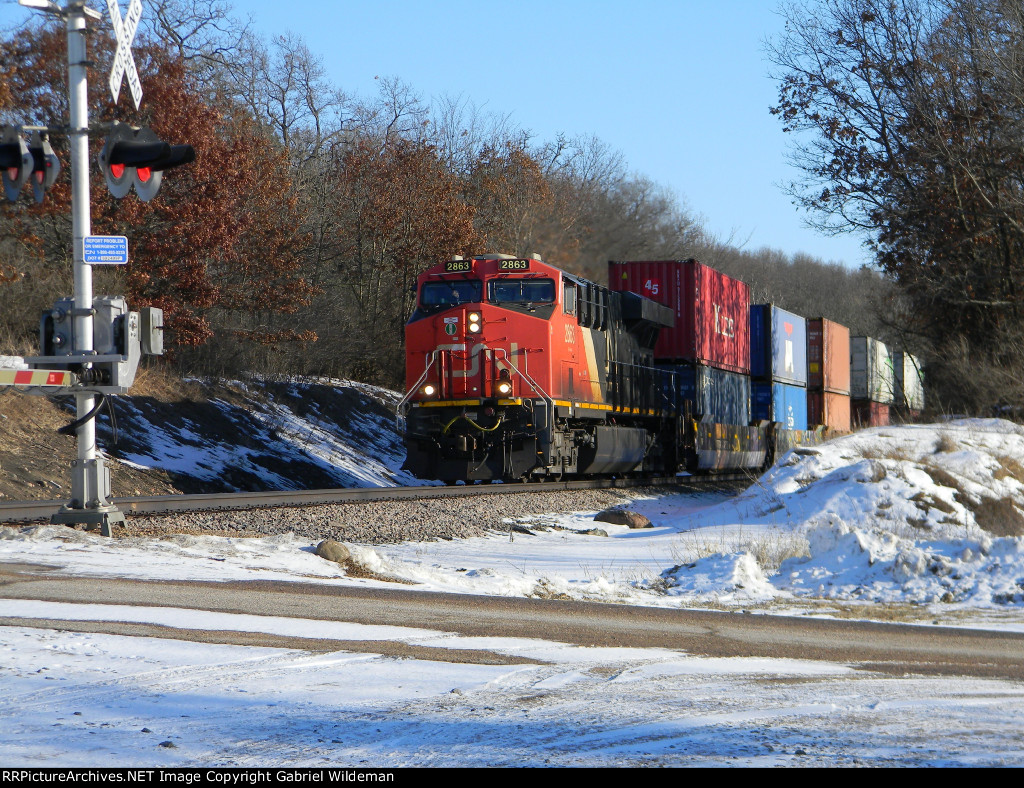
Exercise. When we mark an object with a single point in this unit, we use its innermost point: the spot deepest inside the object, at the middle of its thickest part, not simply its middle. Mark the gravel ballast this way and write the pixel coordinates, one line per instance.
(383, 522)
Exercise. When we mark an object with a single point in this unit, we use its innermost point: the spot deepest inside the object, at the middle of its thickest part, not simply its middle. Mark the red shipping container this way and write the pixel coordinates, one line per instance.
(829, 409)
(867, 413)
(828, 356)
(712, 310)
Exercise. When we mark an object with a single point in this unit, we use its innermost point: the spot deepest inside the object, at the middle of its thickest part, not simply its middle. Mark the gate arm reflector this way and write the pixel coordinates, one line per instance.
(37, 377)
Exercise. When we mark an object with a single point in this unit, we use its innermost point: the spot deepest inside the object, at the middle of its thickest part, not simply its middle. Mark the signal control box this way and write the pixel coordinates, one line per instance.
(120, 339)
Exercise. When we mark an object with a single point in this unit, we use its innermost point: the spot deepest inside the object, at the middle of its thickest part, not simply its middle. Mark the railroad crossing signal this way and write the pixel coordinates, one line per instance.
(137, 158)
(20, 162)
(124, 63)
(45, 164)
(15, 160)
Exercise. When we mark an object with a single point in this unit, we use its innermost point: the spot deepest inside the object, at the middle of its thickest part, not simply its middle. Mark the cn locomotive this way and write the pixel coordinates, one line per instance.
(519, 371)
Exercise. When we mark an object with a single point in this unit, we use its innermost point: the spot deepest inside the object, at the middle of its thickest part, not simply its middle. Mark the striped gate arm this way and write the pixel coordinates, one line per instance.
(36, 377)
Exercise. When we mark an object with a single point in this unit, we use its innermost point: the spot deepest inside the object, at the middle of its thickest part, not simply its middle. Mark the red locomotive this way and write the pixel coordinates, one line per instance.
(517, 370)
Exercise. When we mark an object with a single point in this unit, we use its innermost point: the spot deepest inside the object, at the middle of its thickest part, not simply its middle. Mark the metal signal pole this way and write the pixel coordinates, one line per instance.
(90, 478)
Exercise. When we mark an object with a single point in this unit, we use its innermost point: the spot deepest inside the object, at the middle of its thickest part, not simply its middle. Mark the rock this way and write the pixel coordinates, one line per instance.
(623, 517)
(594, 532)
(168, 744)
(334, 551)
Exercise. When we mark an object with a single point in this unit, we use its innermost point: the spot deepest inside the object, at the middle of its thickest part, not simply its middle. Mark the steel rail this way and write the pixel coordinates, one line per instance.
(24, 511)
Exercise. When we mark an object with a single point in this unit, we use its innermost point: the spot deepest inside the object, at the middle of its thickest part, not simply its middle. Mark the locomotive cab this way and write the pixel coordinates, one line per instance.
(518, 370)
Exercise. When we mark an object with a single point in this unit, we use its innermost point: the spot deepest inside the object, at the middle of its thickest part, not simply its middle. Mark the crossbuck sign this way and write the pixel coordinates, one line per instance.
(124, 63)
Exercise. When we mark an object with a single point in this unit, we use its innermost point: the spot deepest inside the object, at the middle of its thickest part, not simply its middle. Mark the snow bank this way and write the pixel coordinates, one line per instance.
(735, 577)
(875, 565)
(946, 480)
(918, 514)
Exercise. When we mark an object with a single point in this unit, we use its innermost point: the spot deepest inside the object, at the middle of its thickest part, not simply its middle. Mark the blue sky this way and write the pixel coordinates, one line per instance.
(680, 87)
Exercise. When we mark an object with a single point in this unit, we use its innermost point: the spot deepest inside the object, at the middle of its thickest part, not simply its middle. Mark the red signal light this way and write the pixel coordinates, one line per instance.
(136, 158)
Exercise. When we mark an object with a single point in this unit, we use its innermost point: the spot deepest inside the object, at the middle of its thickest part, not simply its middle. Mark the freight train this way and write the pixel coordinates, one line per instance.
(519, 371)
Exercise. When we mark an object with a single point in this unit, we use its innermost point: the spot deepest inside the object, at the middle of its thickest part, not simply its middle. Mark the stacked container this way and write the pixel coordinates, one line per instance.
(708, 349)
(778, 366)
(909, 400)
(871, 382)
(828, 375)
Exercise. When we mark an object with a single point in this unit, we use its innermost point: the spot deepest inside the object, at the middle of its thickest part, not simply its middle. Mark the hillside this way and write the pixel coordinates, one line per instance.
(173, 436)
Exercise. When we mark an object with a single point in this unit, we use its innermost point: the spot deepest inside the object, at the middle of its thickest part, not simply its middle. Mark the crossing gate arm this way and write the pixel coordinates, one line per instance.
(37, 378)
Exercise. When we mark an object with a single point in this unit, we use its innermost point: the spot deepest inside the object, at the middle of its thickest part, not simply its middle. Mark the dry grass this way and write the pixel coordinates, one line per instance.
(999, 516)
(769, 550)
(926, 502)
(158, 382)
(894, 453)
(944, 478)
(947, 443)
(1009, 468)
(25, 415)
(544, 590)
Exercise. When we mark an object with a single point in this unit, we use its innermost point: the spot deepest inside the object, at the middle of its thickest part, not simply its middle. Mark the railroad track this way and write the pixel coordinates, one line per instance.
(26, 511)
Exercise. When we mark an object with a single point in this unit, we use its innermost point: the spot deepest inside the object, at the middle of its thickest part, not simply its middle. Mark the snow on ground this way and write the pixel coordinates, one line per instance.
(12, 362)
(88, 700)
(918, 516)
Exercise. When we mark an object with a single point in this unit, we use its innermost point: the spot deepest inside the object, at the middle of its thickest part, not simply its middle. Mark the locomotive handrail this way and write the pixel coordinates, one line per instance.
(402, 406)
(549, 402)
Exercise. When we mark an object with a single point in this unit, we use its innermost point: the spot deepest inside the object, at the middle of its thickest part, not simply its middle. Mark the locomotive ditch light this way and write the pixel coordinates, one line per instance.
(428, 390)
(503, 385)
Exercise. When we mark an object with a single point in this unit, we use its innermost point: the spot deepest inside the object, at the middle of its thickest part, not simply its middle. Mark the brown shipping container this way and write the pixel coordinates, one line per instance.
(712, 310)
(828, 356)
(829, 409)
(867, 413)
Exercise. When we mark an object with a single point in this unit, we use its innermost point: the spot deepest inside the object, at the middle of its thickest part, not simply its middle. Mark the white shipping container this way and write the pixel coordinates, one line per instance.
(909, 381)
(871, 373)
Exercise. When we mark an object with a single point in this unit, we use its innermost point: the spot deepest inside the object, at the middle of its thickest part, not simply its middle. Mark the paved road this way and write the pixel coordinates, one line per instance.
(891, 648)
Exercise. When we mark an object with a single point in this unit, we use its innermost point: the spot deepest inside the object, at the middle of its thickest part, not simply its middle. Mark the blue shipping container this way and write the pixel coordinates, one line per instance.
(778, 345)
(717, 395)
(779, 402)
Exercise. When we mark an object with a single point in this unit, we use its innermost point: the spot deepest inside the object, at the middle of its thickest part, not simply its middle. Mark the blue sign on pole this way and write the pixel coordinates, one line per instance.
(105, 250)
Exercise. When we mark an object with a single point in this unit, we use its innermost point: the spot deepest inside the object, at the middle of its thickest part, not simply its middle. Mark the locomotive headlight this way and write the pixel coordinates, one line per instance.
(428, 390)
(474, 328)
(474, 322)
(504, 386)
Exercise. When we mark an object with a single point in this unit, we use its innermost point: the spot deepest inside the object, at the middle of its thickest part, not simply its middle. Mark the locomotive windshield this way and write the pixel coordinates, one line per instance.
(449, 293)
(522, 291)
